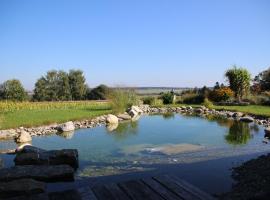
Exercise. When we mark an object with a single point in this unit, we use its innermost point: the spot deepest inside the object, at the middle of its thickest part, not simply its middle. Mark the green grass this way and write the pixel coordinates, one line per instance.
(36, 117)
(251, 109)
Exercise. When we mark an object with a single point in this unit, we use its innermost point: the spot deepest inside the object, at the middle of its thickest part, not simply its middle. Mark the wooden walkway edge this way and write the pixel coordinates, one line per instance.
(155, 188)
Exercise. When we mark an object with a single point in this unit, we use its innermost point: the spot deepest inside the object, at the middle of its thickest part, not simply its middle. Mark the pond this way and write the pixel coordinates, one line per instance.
(199, 150)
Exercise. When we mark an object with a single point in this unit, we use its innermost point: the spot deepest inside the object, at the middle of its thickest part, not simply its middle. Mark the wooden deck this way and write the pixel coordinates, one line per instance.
(155, 188)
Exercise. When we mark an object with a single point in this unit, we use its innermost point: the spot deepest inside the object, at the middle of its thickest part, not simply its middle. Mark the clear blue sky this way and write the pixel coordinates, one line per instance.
(134, 42)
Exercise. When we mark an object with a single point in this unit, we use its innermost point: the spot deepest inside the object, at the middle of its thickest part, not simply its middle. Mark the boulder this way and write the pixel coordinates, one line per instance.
(53, 157)
(247, 119)
(21, 187)
(133, 113)
(137, 109)
(238, 114)
(24, 137)
(51, 173)
(27, 148)
(68, 126)
(111, 119)
(124, 116)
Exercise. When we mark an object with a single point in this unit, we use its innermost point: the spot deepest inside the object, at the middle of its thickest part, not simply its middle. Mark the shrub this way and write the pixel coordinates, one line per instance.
(207, 103)
(193, 99)
(221, 94)
(121, 100)
(148, 100)
(99, 93)
(168, 98)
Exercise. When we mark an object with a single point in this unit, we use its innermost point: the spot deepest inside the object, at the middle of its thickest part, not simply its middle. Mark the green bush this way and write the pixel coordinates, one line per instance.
(148, 100)
(121, 100)
(207, 103)
(168, 98)
(193, 99)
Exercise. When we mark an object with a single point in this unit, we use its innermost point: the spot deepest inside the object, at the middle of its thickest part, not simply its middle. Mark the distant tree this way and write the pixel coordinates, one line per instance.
(204, 91)
(41, 90)
(217, 86)
(262, 81)
(13, 90)
(239, 80)
(77, 84)
(99, 93)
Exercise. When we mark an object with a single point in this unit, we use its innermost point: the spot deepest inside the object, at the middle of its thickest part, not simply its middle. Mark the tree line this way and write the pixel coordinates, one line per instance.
(55, 86)
(66, 86)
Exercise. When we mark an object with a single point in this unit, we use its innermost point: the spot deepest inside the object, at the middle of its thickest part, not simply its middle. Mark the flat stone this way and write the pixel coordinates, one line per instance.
(124, 116)
(53, 157)
(247, 119)
(29, 149)
(21, 187)
(50, 173)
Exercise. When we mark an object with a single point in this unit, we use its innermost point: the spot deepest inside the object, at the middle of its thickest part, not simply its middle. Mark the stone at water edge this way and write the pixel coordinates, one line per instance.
(7, 134)
(124, 116)
(53, 157)
(48, 173)
(137, 109)
(21, 187)
(133, 113)
(24, 137)
(28, 148)
(112, 119)
(247, 119)
(111, 127)
(68, 126)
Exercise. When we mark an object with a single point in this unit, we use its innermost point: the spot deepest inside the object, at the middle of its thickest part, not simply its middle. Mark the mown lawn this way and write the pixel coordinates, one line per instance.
(29, 116)
(251, 109)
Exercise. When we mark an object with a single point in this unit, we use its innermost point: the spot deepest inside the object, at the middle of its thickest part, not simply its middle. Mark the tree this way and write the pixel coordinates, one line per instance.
(239, 80)
(13, 90)
(221, 94)
(217, 86)
(262, 81)
(77, 84)
(53, 87)
(99, 93)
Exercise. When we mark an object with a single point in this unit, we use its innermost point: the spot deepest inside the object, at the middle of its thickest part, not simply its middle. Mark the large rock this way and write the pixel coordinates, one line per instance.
(27, 148)
(247, 119)
(21, 187)
(238, 114)
(111, 119)
(267, 132)
(134, 111)
(53, 157)
(24, 137)
(124, 116)
(68, 126)
(51, 173)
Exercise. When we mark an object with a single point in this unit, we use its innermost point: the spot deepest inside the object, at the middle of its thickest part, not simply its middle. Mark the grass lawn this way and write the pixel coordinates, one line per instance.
(251, 109)
(53, 114)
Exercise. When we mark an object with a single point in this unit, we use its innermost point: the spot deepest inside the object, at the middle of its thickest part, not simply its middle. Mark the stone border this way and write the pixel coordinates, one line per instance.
(132, 114)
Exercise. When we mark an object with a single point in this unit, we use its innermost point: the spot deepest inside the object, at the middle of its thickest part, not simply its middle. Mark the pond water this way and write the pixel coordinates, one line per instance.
(199, 150)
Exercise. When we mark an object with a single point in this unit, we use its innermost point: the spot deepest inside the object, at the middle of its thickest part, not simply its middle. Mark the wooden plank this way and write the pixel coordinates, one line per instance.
(116, 192)
(102, 193)
(137, 190)
(160, 189)
(86, 193)
(194, 190)
(171, 185)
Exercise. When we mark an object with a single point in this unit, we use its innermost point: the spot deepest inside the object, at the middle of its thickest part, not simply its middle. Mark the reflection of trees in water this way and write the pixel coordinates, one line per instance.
(168, 115)
(220, 120)
(239, 133)
(125, 129)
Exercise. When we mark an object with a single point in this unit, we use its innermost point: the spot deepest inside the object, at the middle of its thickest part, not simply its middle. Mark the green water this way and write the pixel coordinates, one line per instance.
(172, 143)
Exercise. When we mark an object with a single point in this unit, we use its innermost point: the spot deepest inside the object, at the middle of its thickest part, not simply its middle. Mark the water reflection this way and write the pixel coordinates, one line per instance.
(239, 133)
(66, 135)
(168, 115)
(124, 129)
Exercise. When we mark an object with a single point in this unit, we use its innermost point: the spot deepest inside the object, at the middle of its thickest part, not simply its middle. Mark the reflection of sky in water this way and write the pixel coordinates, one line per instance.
(133, 145)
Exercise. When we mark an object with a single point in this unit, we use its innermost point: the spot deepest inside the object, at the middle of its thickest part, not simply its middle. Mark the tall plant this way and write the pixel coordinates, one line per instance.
(239, 80)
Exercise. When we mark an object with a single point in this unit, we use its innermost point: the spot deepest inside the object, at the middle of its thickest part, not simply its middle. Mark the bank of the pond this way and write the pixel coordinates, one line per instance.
(33, 114)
